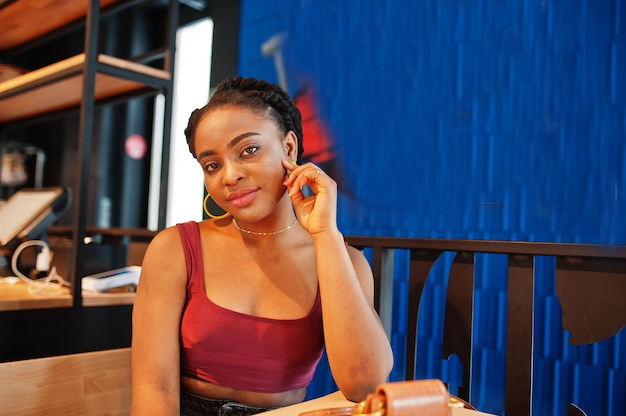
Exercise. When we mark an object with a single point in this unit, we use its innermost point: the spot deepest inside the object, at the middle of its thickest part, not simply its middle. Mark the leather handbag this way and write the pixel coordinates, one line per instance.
(401, 398)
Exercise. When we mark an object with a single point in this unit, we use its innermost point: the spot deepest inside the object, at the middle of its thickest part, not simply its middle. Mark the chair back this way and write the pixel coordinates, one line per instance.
(89, 384)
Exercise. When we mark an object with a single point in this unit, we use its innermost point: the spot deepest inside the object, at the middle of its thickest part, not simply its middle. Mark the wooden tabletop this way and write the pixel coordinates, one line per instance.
(17, 296)
(337, 400)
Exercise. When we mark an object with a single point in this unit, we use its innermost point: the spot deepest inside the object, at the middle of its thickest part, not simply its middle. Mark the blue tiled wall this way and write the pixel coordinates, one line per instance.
(480, 119)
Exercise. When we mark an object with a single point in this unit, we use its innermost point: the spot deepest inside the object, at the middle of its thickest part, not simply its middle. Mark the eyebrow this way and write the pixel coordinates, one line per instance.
(230, 145)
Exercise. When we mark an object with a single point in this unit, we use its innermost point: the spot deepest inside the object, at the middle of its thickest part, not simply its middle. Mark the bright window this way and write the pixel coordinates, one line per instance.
(192, 75)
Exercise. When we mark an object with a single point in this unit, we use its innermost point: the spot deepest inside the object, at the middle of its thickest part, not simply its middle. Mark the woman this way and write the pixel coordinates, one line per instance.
(228, 312)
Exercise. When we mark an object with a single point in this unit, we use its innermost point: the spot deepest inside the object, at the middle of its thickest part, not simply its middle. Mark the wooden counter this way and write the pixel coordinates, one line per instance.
(17, 297)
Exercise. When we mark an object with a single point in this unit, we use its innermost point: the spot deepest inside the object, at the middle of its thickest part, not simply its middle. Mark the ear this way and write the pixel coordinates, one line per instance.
(290, 144)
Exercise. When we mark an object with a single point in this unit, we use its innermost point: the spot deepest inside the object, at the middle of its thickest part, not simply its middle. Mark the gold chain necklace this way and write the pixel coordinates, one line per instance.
(261, 233)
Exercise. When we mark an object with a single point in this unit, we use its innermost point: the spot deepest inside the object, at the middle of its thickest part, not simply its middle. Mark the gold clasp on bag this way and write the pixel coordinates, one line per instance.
(372, 406)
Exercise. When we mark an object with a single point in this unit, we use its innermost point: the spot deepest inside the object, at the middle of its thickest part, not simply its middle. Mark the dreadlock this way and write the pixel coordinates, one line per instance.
(254, 94)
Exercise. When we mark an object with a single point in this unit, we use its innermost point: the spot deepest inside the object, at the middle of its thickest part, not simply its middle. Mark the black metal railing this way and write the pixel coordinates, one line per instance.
(594, 315)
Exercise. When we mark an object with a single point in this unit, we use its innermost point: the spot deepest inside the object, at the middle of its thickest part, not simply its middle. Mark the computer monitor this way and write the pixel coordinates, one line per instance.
(28, 214)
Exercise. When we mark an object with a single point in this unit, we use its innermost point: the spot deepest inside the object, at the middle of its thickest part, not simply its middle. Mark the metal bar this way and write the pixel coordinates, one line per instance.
(520, 336)
(172, 26)
(385, 305)
(377, 271)
(494, 246)
(457, 334)
(149, 80)
(420, 264)
(84, 151)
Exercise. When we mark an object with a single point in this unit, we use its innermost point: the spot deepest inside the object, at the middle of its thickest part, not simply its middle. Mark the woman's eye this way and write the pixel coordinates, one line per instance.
(250, 150)
(209, 167)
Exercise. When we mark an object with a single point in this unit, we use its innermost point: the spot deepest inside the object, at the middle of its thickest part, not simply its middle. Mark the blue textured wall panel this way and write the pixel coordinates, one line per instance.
(476, 119)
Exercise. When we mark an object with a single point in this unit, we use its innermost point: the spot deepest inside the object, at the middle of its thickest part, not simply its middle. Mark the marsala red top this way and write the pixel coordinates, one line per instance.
(242, 351)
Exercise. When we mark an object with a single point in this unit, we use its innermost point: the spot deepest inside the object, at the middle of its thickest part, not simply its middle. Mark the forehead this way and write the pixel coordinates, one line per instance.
(231, 117)
(221, 125)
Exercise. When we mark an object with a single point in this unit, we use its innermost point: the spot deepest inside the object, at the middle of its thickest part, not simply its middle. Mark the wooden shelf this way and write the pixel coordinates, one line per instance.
(70, 88)
(25, 20)
(59, 86)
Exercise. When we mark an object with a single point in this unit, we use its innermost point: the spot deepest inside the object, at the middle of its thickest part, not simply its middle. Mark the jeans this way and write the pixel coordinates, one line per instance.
(194, 405)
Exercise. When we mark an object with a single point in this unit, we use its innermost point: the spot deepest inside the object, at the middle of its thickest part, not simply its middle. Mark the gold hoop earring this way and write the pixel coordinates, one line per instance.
(214, 216)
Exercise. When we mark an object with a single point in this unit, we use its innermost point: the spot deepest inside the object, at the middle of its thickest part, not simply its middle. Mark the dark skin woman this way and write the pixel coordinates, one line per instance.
(276, 260)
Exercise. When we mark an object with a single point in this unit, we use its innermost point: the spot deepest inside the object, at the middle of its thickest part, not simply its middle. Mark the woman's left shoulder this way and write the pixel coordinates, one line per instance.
(356, 255)
(352, 249)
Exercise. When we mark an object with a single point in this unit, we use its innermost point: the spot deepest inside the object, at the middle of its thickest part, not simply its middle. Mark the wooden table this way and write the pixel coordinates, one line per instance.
(17, 297)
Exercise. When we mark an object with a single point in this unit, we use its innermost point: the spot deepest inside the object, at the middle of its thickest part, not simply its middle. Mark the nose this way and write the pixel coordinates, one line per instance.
(233, 172)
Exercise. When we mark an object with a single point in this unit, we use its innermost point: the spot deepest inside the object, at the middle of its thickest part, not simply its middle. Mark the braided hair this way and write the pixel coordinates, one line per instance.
(254, 94)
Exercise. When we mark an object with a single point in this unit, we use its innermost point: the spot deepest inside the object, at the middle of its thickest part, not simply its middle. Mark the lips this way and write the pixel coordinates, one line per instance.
(242, 197)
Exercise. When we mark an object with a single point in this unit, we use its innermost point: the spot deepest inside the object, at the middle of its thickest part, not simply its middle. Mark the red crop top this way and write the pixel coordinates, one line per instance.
(242, 351)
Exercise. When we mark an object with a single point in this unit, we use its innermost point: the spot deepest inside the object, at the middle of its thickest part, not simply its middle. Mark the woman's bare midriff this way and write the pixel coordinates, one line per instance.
(250, 398)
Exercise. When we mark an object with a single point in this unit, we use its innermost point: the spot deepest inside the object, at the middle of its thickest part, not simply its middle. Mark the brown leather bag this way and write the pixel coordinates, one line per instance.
(401, 398)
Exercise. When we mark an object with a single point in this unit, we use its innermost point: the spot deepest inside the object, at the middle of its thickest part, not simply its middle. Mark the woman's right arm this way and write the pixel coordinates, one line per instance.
(156, 327)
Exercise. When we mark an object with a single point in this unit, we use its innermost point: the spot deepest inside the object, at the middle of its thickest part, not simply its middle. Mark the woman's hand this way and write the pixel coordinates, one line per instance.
(317, 213)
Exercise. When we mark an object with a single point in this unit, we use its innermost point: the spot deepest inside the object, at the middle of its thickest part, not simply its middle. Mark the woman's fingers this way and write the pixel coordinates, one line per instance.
(300, 175)
(317, 211)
